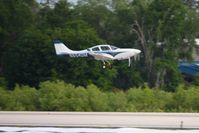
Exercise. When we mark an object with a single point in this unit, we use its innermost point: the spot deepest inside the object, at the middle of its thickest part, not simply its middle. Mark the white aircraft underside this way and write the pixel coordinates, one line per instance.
(99, 52)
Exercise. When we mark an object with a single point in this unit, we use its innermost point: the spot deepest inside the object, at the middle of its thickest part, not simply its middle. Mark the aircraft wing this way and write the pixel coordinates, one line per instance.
(101, 56)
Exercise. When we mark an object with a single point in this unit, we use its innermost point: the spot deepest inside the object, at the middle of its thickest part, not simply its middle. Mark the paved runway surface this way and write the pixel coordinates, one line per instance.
(100, 119)
(88, 130)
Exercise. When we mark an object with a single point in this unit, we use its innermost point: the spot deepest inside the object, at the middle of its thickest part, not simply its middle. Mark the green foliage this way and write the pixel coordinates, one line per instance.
(196, 80)
(143, 100)
(118, 102)
(97, 99)
(27, 55)
(3, 82)
(52, 95)
(28, 61)
(23, 98)
(128, 77)
(58, 16)
(3, 99)
(60, 96)
(185, 100)
(164, 22)
(148, 100)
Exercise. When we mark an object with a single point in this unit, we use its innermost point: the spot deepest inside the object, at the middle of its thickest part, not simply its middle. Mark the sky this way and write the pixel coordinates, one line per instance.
(72, 1)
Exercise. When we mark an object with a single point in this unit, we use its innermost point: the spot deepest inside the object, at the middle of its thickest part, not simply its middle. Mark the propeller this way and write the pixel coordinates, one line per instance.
(136, 57)
(129, 61)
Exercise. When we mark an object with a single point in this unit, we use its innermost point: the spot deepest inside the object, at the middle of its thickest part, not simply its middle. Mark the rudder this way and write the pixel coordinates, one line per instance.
(60, 48)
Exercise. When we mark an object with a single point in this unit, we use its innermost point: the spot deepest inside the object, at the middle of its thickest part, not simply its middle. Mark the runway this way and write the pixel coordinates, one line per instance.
(101, 119)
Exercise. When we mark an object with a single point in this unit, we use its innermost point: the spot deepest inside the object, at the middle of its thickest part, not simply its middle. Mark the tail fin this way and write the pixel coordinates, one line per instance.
(60, 48)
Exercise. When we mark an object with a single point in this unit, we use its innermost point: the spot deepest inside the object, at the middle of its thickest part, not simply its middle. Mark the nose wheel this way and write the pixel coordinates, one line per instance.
(106, 65)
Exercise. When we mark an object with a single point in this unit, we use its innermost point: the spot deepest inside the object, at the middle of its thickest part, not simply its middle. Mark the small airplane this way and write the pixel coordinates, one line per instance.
(103, 52)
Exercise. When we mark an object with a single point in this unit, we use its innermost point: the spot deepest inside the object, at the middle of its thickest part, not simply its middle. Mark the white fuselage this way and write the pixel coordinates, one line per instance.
(99, 52)
(108, 52)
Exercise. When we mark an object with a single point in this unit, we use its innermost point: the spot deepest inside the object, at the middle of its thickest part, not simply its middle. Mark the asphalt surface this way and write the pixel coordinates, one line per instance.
(101, 119)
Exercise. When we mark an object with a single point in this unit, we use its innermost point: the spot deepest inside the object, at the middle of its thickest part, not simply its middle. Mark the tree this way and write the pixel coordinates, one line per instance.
(96, 14)
(59, 15)
(112, 23)
(81, 36)
(193, 4)
(161, 29)
(30, 60)
(13, 26)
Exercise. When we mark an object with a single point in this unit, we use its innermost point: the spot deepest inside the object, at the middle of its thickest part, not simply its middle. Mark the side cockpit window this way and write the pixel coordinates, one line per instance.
(95, 49)
(105, 48)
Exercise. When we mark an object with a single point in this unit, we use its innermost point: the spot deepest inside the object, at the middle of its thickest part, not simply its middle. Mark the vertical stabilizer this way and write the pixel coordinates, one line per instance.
(60, 48)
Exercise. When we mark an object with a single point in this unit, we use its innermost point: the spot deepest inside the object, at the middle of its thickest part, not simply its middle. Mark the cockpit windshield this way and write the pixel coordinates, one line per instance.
(113, 47)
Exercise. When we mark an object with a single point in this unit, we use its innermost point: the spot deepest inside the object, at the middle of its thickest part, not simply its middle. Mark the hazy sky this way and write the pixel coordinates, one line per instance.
(72, 1)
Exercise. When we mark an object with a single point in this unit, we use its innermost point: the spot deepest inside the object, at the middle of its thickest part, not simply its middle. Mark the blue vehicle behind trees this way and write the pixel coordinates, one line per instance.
(189, 70)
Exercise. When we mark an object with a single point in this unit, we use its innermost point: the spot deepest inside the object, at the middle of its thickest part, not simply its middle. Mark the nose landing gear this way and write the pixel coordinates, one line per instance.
(106, 64)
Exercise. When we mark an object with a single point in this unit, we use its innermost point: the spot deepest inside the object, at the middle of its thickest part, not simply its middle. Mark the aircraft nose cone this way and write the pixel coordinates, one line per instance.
(138, 51)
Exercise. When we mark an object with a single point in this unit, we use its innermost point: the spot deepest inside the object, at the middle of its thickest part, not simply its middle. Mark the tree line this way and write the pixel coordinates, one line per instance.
(158, 28)
(60, 96)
